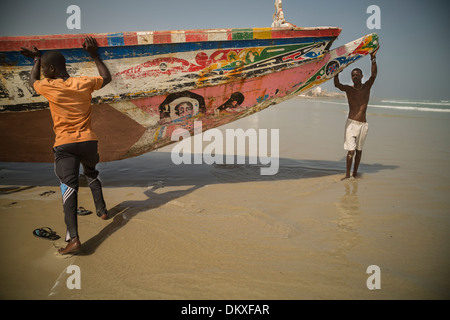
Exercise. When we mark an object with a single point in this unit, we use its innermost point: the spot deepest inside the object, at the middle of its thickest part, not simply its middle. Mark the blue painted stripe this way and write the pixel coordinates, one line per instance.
(118, 51)
(115, 39)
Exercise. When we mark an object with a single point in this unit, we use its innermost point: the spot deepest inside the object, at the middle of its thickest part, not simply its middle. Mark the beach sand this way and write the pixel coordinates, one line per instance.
(227, 232)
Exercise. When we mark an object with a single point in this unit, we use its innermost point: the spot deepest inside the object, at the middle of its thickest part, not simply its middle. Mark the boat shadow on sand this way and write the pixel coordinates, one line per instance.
(156, 171)
(202, 175)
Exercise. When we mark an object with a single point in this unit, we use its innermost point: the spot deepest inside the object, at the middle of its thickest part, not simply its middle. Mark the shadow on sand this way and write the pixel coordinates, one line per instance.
(156, 170)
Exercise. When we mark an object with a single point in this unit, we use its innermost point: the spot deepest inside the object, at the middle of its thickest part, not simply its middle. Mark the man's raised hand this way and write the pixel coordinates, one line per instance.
(35, 53)
(90, 45)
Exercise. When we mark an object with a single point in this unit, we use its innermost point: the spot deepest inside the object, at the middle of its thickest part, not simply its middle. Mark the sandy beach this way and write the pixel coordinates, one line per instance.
(226, 232)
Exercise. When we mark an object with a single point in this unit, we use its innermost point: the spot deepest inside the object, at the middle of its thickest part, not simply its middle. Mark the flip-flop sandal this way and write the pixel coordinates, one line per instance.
(82, 211)
(46, 233)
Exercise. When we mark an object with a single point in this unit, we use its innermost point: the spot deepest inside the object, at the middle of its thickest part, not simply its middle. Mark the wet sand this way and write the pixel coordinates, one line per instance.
(226, 232)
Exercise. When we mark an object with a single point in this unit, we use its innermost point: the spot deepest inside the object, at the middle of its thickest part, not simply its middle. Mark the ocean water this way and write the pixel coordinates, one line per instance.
(409, 105)
(404, 105)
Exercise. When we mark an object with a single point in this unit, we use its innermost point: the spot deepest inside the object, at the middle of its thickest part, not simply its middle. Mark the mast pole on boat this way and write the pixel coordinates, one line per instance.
(278, 17)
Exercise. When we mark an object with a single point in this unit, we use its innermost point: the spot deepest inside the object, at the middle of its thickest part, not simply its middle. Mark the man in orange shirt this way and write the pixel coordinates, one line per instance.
(75, 143)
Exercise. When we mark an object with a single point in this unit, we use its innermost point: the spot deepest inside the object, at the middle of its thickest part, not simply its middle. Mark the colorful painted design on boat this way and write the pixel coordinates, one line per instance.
(167, 80)
(339, 59)
(154, 63)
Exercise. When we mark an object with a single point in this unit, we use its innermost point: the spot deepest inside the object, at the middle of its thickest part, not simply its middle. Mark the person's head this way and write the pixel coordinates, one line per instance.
(357, 75)
(53, 63)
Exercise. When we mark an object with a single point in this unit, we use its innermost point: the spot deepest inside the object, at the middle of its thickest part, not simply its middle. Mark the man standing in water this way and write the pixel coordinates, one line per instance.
(356, 127)
(75, 142)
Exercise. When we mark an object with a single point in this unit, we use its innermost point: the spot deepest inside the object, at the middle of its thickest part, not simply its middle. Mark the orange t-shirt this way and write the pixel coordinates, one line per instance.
(70, 106)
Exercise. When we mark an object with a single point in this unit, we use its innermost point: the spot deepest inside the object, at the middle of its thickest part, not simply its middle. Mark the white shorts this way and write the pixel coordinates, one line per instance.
(355, 134)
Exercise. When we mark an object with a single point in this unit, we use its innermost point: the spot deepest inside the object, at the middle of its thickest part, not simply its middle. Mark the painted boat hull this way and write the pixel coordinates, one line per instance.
(165, 81)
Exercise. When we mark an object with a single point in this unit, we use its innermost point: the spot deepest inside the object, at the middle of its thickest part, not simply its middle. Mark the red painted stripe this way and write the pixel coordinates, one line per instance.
(162, 37)
(277, 34)
(50, 42)
(230, 34)
(130, 38)
(195, 36)
(102, 40)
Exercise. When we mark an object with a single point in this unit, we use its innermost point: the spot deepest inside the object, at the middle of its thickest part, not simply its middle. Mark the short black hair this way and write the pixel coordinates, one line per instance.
(357, 69)
(54, 58)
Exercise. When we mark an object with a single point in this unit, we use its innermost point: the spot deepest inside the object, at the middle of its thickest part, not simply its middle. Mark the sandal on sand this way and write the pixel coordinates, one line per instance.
(46, 233)
(82, 211)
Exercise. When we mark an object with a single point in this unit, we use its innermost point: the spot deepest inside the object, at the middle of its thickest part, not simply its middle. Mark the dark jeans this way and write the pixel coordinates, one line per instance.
(68, 158)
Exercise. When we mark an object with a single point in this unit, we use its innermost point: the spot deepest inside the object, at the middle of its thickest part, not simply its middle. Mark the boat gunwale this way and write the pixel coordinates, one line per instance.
(71, 41)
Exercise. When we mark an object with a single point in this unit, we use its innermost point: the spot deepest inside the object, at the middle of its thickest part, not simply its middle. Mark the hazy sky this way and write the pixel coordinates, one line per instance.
(412, 60)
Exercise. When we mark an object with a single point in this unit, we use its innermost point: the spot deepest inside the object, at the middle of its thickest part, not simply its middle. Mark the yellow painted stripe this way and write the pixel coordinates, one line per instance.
(262, 33)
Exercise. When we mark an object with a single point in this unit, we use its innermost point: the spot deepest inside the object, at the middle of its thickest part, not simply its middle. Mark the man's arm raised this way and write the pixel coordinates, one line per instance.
(374, 69)
(90, 45)
(338, 84)
(36, 71)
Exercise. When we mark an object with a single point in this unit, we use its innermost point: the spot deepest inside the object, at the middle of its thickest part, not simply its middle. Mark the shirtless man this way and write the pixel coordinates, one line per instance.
(356, 127)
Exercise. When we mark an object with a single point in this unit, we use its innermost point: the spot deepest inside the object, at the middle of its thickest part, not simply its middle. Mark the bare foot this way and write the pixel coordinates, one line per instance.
(73, 246)
(345, 178)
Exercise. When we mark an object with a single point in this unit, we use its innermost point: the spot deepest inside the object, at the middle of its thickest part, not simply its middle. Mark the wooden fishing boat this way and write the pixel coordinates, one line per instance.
(164, 80)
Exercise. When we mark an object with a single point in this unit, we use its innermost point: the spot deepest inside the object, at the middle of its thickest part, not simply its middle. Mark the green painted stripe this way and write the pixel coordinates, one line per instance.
(242, 34)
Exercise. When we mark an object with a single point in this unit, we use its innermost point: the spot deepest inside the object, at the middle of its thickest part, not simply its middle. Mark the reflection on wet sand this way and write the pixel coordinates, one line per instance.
(348, 207)
(347, 236)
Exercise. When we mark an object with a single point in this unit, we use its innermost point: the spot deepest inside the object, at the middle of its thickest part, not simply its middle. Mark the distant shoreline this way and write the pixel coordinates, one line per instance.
(321, 97)
(329, 95)
(320, 93)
